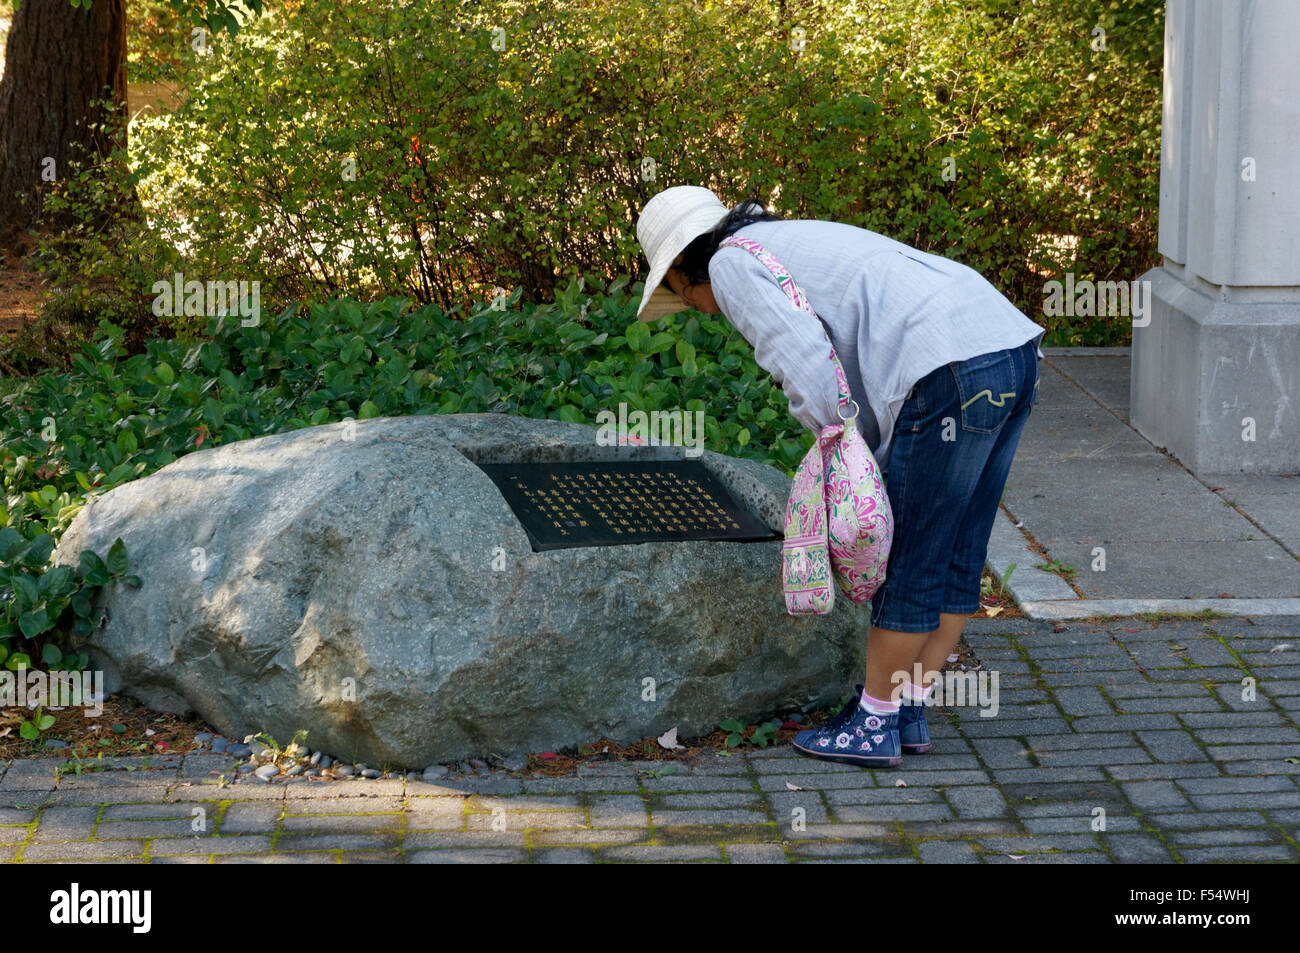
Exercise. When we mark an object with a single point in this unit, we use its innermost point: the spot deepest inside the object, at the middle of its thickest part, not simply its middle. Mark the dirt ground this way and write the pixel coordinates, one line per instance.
(21, 292)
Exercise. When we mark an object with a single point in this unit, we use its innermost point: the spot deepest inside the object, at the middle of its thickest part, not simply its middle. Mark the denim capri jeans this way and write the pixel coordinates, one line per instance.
(954, 440)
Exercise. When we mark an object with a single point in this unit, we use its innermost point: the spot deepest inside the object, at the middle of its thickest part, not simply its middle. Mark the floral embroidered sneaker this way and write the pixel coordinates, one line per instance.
(913, 732)
(862, 738)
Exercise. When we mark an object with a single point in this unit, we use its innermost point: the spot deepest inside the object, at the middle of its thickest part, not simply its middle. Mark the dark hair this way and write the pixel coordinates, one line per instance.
(698, 254)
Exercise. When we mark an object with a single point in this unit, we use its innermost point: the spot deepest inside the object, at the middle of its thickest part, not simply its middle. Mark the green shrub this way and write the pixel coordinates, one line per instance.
(523, 166)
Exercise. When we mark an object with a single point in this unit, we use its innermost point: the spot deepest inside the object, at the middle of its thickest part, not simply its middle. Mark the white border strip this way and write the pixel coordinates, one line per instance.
(1007, 546)
(1086, 608)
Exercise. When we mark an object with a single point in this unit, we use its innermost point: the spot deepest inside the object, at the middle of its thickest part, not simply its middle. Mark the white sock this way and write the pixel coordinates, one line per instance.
(914, 694)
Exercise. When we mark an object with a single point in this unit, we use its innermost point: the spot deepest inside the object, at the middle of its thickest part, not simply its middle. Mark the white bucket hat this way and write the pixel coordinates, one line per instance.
(670, 221)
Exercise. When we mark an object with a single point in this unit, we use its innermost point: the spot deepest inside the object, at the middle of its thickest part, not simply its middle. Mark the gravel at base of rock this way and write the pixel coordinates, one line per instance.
(369, 547)
(515, 762)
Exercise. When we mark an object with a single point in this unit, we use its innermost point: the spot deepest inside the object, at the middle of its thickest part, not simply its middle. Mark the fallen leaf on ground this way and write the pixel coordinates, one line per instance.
(900, 783)
(992, 610)
(792, 787)
(668, 740)
(1016, 856)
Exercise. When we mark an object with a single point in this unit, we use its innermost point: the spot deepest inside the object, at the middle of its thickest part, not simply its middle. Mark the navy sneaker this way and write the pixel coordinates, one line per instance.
(862, 738)
(913, 732)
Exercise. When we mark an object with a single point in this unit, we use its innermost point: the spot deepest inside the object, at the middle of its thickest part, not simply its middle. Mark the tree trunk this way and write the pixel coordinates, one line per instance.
(59, 62)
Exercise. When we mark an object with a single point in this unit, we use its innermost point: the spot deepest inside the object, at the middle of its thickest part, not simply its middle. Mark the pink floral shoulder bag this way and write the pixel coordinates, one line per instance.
(838, 524)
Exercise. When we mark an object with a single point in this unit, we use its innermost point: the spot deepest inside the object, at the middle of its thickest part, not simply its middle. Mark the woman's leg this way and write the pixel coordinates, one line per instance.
(961, 596)
(908, 653)
(934, 467)
(940, 644)
(888, 654)
(954, 440)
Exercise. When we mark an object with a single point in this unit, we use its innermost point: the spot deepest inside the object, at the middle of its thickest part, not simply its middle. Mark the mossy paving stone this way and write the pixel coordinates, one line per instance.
(717, 834)
(889, 845)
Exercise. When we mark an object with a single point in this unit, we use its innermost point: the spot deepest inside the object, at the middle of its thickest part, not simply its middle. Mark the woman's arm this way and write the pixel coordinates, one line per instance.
(788, 343)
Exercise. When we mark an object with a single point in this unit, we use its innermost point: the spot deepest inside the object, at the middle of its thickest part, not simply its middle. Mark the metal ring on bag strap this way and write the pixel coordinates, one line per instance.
(852, 417)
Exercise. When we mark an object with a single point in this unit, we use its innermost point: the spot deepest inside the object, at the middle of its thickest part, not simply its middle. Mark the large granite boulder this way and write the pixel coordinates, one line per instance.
(366, 581)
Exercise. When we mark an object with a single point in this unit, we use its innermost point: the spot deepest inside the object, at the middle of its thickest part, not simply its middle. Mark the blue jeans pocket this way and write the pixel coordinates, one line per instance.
(986, 387)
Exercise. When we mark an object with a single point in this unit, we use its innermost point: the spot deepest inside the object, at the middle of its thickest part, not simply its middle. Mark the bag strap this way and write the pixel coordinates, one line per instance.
(800, 301)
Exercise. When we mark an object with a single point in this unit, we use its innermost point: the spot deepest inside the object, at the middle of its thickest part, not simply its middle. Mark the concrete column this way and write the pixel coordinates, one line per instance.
(1216, 370)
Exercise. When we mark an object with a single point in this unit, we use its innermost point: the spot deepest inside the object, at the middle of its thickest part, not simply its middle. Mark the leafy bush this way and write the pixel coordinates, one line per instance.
(369, 148)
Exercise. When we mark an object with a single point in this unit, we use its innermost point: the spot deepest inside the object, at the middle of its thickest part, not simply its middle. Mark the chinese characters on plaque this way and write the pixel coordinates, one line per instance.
(563, 505)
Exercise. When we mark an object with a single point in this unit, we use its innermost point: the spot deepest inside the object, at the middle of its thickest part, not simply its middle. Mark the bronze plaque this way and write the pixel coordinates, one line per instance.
(563, 505)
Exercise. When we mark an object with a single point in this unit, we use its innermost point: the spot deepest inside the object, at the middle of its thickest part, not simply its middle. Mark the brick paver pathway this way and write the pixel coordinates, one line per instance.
(1144, 722)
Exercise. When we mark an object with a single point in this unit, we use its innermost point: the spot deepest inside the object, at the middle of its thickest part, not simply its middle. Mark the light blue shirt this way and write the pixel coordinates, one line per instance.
(893, 313)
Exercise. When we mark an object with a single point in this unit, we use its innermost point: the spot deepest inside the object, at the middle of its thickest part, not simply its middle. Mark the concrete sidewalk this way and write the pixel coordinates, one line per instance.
(1141, 531)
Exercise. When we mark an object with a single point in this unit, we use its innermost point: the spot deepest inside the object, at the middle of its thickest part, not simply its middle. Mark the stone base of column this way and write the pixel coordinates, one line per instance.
(1216, 380)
